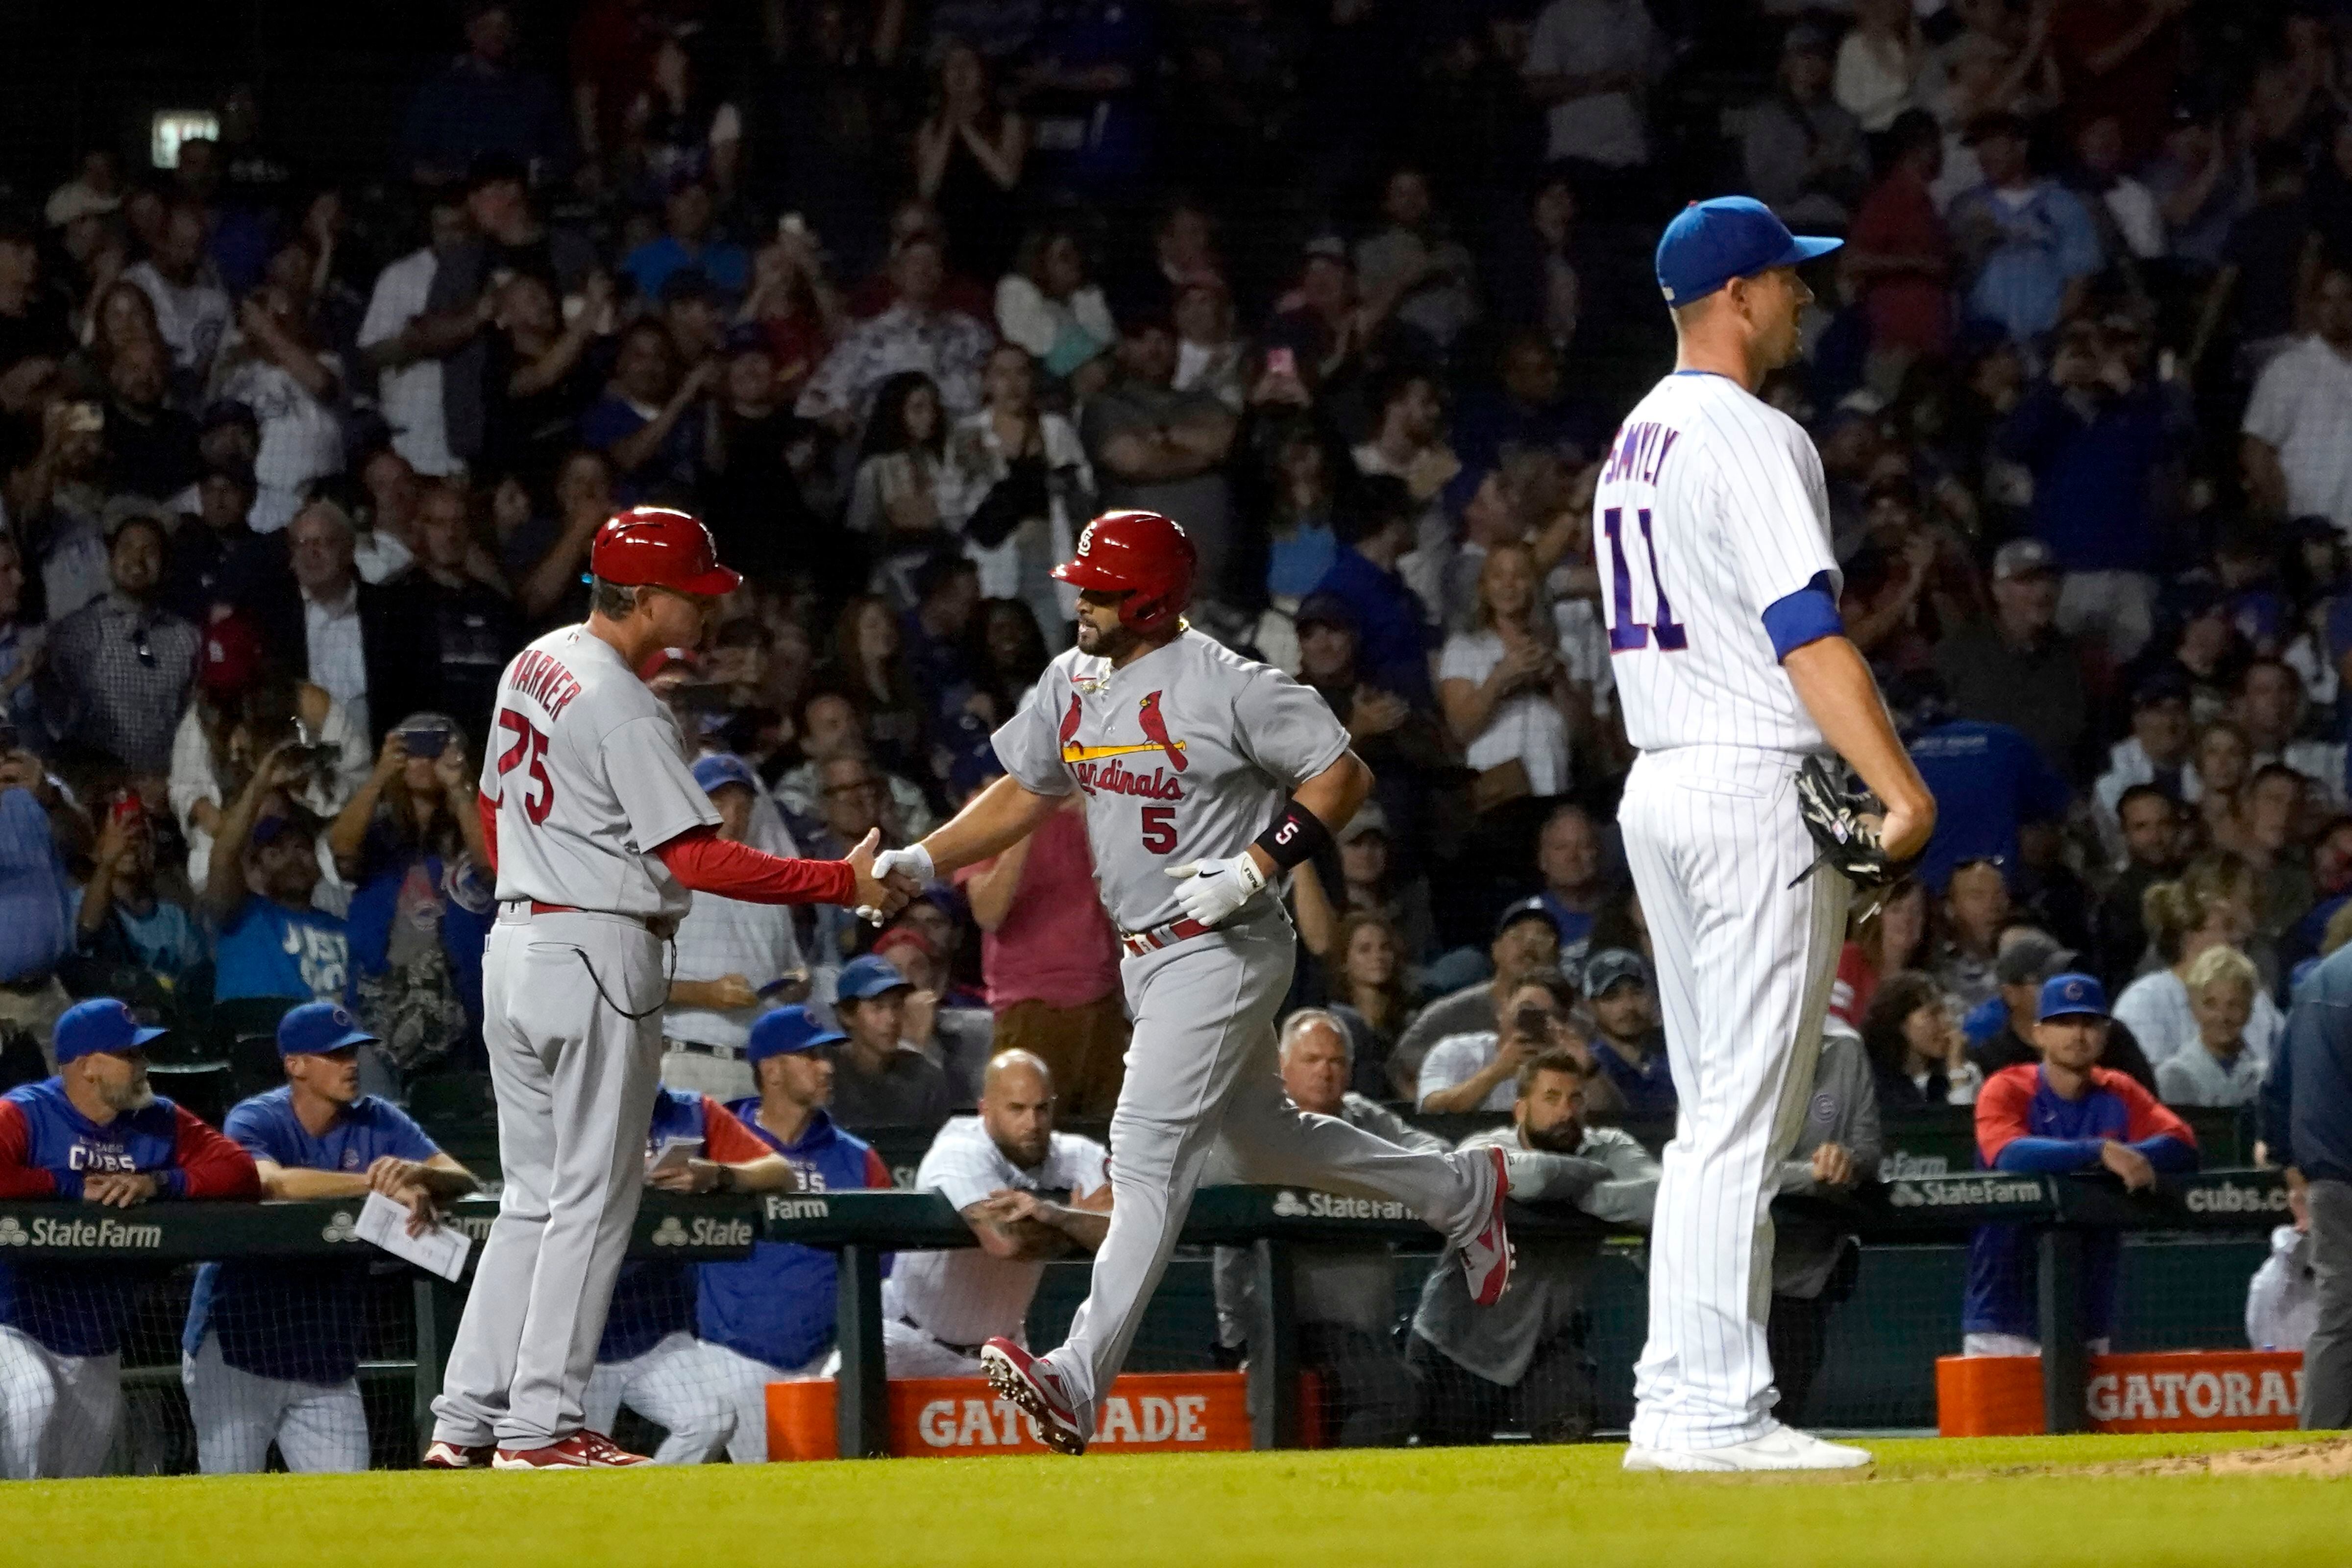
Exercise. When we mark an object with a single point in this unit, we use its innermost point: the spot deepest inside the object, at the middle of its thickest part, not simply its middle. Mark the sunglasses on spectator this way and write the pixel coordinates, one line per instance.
(140, 645)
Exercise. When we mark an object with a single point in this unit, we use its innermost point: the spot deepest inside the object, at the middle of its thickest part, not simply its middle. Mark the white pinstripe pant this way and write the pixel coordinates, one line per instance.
(1744, 964)
(673, 1386)
(57, 1412)
(321, 1429)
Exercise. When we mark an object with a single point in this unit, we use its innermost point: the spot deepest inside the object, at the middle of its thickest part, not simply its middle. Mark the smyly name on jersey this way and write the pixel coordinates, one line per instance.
(1113, 778)
(1641, 451)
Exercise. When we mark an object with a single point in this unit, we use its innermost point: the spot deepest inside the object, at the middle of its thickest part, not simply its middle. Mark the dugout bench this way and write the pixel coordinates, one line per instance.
(1273, 1223)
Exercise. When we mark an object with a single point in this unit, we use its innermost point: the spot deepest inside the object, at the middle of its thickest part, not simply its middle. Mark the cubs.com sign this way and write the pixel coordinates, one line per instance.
(1199, 1411)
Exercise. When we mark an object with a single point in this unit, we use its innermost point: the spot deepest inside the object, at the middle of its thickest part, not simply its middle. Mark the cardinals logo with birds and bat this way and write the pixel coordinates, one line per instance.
(1097, 769)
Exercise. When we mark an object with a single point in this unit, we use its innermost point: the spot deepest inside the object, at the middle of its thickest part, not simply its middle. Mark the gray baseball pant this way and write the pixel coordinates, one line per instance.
(575, 1081)
(2328, 1354)
(1201, 1064)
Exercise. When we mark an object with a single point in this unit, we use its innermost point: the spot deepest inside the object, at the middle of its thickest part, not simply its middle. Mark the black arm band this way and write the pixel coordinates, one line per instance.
(1297, 834)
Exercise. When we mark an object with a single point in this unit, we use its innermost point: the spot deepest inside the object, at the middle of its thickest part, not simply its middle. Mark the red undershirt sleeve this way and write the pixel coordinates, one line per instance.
(488, 811)
(18, 1179)
(708, 864)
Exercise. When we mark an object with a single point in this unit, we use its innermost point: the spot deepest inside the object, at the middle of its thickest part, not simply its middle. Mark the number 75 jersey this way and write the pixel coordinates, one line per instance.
(1711, 533)
(1185, 755)
(589, 777)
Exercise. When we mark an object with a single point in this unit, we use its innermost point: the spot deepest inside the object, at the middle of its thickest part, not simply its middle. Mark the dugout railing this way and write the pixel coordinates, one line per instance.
(1273, 1223)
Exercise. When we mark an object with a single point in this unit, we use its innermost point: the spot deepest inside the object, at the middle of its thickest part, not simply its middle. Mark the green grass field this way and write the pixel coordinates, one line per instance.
(1983, 1503)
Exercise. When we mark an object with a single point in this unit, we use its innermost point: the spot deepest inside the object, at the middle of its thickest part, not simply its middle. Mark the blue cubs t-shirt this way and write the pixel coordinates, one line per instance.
(268, 950)
(298, 1321)
(777, 1305)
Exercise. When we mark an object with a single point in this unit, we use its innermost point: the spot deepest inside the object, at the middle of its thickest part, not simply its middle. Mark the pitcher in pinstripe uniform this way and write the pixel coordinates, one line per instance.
(1711, 532)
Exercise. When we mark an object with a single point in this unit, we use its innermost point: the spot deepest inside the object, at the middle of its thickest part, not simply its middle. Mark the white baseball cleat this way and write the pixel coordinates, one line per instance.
(1486, 1255)
(1782, 1448)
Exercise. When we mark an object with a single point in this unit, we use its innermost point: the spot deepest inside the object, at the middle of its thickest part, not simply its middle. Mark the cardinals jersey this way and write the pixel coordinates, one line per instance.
(589, 777)
(1185, 755)
(1711, 532)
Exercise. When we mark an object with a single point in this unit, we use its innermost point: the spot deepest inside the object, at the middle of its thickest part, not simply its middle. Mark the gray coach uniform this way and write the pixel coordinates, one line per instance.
(1185, 755)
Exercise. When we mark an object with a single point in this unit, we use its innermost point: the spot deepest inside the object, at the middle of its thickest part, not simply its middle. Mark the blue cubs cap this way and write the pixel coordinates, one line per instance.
(867, 976)
(1712, 242)
(788, 1030)
(317, 1027)
(1532, 908)
(2071, 994)
(101, 1024)
(725, 768)
(1614, 966)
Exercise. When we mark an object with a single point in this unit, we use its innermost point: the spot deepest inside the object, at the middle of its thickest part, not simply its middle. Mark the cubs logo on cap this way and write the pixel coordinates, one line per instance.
(2072, 996)
(317, 1027)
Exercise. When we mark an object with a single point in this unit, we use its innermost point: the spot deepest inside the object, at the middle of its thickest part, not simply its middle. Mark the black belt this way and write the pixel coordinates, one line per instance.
(970, 1352)
(697, 1047)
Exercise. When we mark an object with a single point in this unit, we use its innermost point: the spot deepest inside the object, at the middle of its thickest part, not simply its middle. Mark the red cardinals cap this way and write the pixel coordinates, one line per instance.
(230, 658)
(660, 547)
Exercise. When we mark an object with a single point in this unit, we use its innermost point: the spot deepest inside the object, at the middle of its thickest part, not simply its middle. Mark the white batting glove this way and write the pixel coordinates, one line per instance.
(1211, 889)
(914, 859)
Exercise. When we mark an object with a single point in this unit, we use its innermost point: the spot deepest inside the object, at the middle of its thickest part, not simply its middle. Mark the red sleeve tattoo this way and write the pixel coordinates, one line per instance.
(211, 1164)
(488, 811)
(709, 864)
(18, 1179)
(878, 1174)
(2000, 1115)
(725, 1139)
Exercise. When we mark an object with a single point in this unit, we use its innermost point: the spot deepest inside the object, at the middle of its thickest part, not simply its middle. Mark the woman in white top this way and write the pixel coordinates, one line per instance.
(1503, 686)
(1047, 306)
(2220, 1069)
(1879, 65)
(1015, 484)
(2184, 923)
(270, 366)
(223, 736)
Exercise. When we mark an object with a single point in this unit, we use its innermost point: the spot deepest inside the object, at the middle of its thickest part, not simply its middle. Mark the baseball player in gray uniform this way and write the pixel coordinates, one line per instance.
(598, 831)
(1206, 777)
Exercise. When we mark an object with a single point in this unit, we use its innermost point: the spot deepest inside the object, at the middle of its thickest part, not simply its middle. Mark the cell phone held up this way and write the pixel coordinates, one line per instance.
(1531, 1024)
(424, 745)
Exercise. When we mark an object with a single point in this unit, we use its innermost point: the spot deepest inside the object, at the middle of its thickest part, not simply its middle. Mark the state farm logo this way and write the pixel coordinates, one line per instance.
(86, 1233)
(340, 1228)
(1331, 1206)
(2237, 1197)
(1901, 1165)
(672, 1232)
(798, 1208)
(1932, 1193)
(11, 1233)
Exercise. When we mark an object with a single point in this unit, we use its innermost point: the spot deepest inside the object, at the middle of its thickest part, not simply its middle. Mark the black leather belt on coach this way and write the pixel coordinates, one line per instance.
(1139, 943)
(970, 1352)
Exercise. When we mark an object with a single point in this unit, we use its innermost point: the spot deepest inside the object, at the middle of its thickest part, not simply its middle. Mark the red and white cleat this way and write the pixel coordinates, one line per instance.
(1486, 1255)
(442, 1455)
(582, 1450)
(1029, 1383)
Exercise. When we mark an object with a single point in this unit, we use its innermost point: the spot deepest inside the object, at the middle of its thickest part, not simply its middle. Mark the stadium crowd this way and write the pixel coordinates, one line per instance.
(896, 295)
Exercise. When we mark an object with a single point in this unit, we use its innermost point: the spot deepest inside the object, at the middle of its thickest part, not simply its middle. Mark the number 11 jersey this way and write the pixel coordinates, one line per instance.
(589, 777)
(1711, 532)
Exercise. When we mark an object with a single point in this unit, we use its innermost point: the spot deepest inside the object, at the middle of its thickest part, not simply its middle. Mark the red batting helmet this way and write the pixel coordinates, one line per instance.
(660, 547)
(1141, 554)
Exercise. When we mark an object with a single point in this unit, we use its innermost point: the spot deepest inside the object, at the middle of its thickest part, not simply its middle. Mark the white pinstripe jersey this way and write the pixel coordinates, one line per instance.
(1711, 506)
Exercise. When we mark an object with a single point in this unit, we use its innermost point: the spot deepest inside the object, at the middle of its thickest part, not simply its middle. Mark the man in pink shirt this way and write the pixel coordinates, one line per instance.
(1047, 952)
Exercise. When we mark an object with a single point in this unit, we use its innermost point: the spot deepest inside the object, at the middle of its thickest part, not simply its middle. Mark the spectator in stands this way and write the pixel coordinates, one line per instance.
(2306, 1111)
(408, 384)
(916, 334)
(869, 660)
(1892, 939)
(1975, 908)
(1900, 254)
(123, 921)
(123, 665)
(2184, 922)
(94, 1134)
(39, 826)
(2029, 245)
(24, 644)
(1525, 945)
(1047, 307)
(1990, 780)
(687, 243)
(1368, 982)
(333, 626)
(460, 630)
(2016, 667)
(1159, 449)
(2296, 441)
(270, 1353)
(1589, 65)
(1506, 693)
(1024, 488)
(241, 710)
(1918, 1057)
(956, 1037)
(2151, 831)
(2067, 1114)
(1342, 1298)
(272, 365)
(2268, 713)
(880, 1080)
(730, 956)
(772, 1316)
(1414, 259)
(1029, 1194)
(214, 557)
(1050, 959)
(1880, 63)
(642, 421)
(1477, 1071)
(968, 160)
(1629, 1045)
(832, 730)
(264, 871)
(482, 102)
(1814, 1260)
(901, 479)
(1804, 152)
(191, 312)
(2156, 754)
(2219, 1070)
(649, 1358)
(1523, 1361)
(151, 446)
(1393, 624)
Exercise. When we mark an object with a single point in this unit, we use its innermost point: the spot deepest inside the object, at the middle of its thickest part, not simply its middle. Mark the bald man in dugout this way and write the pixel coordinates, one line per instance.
(1030, 1193)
